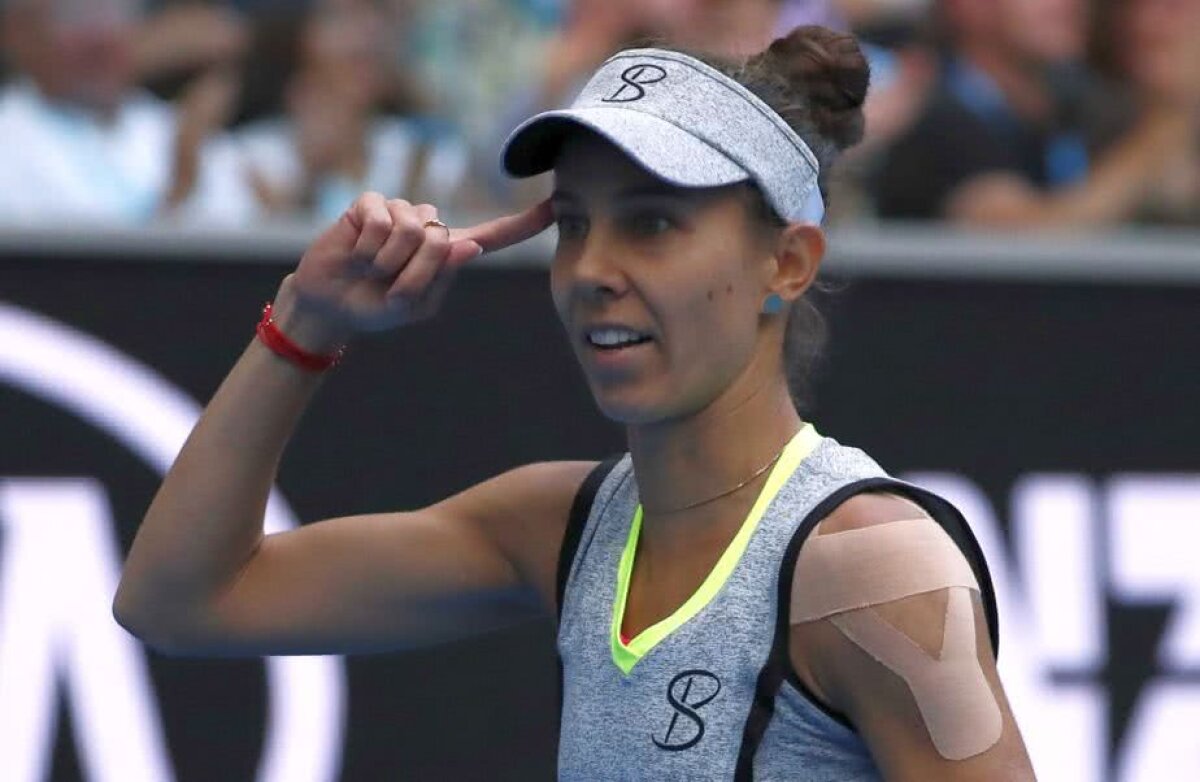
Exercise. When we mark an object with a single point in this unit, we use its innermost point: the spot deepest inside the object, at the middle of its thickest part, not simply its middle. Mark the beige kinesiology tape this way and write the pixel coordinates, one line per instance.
(841, 575)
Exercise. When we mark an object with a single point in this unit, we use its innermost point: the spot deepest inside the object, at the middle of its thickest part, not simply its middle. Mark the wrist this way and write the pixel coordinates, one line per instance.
(305, 323)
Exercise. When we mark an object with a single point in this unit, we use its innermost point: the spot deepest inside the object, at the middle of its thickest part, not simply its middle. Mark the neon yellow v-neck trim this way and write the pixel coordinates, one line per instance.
(625, 656)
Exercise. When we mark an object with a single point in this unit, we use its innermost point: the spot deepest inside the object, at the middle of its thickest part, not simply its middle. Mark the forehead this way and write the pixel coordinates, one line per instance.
(589, 166)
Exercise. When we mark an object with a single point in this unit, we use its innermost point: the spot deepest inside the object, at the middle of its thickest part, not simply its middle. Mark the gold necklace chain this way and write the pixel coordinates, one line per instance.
(725, 493)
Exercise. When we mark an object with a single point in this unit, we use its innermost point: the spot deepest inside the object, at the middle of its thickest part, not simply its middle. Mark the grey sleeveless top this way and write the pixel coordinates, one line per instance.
(709, 693)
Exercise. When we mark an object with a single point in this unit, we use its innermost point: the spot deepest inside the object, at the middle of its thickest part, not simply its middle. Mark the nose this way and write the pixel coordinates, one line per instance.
(595, 269)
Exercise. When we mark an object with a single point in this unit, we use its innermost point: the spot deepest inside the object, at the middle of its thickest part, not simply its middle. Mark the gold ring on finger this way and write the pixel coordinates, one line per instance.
(436, 223)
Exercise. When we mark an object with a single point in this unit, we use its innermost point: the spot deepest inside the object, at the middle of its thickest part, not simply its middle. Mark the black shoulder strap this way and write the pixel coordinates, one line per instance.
(580, 510)
(779, 664)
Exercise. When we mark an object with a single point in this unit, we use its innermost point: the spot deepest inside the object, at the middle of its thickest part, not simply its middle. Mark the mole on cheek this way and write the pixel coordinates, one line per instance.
(729, 288)
(710, 295)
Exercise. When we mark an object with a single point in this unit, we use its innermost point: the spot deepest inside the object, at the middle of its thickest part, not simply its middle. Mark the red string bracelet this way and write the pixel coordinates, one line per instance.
(279, 344)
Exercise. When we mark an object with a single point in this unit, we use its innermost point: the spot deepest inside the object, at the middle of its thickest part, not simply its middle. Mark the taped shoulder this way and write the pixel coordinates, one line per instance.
(886, 579)
(874, 549)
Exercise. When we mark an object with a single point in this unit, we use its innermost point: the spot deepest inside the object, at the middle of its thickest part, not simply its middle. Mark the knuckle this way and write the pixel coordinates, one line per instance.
(400, 214)
(377, 224)
(366, 201)
(411, 230)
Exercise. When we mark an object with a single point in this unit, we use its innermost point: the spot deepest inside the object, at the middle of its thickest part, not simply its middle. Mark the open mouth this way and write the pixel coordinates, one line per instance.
(615, 339)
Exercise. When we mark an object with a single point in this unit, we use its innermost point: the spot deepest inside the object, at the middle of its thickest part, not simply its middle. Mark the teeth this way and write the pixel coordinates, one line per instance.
(614, 337)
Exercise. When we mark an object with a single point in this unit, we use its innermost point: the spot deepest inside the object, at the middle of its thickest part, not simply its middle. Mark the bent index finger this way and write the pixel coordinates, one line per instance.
(507, 231)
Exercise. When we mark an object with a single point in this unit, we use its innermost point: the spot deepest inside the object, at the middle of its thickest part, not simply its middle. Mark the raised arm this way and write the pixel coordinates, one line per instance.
(202, 577)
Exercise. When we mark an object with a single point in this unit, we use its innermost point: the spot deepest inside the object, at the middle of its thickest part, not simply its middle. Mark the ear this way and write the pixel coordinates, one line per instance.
(798, 255)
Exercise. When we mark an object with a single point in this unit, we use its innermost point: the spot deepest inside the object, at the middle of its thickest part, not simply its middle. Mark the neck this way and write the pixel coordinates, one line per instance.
(686, 460)
(1020, 82)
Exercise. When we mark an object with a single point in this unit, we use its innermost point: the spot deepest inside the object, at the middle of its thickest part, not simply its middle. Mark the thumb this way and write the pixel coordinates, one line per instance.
(506, 231)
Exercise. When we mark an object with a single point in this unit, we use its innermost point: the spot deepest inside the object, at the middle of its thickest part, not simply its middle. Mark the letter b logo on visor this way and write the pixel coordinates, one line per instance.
(634, 78)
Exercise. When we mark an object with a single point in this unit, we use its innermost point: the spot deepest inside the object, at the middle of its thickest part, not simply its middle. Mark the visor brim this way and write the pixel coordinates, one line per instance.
(663, 149)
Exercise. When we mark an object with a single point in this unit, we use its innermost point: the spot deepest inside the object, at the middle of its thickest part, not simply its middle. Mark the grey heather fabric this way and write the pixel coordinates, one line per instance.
(686, 123)
(681, 711)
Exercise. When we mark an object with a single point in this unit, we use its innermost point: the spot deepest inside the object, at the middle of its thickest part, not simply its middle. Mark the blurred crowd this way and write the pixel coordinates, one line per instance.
(1057, 113)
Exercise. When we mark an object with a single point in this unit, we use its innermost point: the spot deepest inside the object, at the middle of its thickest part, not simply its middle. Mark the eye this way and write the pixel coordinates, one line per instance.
(571, 227)
(648, 224)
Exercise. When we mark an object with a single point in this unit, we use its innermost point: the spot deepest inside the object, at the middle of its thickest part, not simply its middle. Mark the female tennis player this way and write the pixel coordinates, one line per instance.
(737, 596)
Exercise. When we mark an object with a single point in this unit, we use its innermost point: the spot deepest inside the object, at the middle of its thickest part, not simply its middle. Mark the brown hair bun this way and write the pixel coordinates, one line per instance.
(829, 70)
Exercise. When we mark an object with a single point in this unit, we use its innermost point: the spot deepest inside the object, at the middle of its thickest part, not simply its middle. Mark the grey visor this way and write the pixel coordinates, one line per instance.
(684, 122)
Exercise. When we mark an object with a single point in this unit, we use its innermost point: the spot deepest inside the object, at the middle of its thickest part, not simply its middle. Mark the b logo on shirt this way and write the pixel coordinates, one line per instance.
(687, 693)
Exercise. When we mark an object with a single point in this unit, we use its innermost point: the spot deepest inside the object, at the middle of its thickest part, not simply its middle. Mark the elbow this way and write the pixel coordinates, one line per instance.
(150, 626)
(125, 611)
(135, 620)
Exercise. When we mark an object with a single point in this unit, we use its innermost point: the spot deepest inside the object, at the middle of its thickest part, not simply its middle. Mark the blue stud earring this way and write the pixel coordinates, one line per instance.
(773, 305)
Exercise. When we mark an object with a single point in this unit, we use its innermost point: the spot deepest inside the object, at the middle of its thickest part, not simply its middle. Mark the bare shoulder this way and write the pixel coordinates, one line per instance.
(523, 513)
(826, 575)
(873, 549)
(871, 509)
(889, 630)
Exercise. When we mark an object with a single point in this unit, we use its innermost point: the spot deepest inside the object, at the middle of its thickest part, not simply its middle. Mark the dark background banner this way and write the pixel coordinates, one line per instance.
(993, 382)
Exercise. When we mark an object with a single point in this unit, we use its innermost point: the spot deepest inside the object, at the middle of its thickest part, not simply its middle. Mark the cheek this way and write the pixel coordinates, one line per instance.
(715, 320)
(716, 323)
(559, 289)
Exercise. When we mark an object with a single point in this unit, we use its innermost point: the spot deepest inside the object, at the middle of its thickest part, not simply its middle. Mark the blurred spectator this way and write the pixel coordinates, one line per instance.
(895, 37)
(187, 36)
(83, 142)
(902, 67)
(1150, 52)
(740, 28)
(592, 30)
(349, 125)
(999, 142)
(472, 54)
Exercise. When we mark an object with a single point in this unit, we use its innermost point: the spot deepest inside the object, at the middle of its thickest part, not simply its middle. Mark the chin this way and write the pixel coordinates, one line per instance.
(632, 406)
(627, 408)
(622, 412)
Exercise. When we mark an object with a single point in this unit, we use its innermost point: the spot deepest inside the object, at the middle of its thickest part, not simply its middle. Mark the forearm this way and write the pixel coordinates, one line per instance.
(185, 170)
(207, 518)
(204, 108)
(1122, 178)
(201, 575)
(1118, 183)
